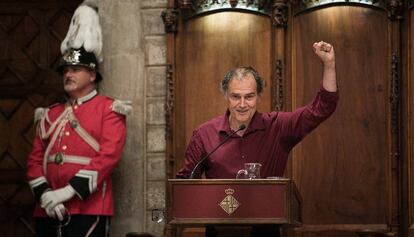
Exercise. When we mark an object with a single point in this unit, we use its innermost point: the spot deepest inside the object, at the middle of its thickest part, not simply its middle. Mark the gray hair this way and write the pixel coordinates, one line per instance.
(239, 73)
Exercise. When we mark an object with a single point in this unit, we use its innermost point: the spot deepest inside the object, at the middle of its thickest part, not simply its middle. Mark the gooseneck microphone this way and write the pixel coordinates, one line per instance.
(241, 127)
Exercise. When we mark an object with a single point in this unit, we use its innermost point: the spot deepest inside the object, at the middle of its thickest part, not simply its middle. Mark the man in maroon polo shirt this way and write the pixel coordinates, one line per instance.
(268, 137)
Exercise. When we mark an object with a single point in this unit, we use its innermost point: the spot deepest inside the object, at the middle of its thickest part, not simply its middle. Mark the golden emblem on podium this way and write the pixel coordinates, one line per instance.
(229, 203)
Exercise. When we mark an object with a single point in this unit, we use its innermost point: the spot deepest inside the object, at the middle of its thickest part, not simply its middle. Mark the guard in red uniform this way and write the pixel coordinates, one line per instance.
(76, 148)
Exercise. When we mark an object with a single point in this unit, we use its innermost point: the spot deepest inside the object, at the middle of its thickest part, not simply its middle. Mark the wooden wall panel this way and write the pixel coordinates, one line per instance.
(342, 169)
(410, 121)
(207, 47)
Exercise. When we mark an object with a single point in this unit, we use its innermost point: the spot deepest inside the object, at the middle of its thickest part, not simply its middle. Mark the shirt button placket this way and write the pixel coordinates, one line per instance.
(242, 155)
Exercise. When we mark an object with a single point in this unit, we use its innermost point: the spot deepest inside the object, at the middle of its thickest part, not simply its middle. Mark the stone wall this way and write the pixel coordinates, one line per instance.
(134, 69)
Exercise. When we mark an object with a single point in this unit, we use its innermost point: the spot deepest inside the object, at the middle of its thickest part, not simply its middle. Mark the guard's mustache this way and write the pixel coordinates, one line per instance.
(67, 80)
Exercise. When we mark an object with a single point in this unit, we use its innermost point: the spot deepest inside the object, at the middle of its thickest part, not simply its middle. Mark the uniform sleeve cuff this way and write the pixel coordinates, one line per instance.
(84, 183)
(39, 186)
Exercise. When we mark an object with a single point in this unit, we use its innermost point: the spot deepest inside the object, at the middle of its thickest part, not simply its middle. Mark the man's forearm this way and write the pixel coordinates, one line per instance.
(329, 77)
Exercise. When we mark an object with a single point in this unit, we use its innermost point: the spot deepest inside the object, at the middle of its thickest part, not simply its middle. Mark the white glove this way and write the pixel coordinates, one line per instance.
(59, 211)
(50, 199)
(51, 213)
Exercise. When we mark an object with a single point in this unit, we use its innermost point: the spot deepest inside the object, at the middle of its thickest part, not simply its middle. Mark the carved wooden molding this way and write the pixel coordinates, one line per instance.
(395, 9)
(169, 105)
(191, 8)
(186, 4)
(313, 3)
(170, 19)
(305, 5)
(395, 154)
(395, 93)
(278, 86)
(280, 13)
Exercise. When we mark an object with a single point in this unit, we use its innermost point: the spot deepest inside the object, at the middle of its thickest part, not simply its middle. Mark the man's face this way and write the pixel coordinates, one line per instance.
(242, 99)
(78, 81)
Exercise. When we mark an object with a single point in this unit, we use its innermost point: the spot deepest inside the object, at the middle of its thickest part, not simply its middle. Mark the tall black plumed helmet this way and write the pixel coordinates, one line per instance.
(82, 45)
(79, 57)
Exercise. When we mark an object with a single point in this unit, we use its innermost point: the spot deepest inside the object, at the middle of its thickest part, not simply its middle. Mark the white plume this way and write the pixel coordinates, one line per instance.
(91, 3)
(85, 30)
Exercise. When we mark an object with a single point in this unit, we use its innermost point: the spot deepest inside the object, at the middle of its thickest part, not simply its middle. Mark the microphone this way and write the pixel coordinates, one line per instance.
(241, 127)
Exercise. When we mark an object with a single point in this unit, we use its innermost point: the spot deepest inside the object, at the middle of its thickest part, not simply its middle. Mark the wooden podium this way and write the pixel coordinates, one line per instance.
(200, 202)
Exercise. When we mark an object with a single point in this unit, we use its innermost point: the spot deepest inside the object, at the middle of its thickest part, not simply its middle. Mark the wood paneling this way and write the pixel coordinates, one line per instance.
(410, 122)
(342, 168)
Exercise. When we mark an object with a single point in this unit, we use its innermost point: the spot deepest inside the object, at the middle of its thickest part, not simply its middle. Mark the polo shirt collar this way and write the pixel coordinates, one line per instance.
(256, 123)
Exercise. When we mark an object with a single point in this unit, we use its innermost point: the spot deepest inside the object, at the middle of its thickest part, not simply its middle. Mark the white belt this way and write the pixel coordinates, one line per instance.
(81, 160)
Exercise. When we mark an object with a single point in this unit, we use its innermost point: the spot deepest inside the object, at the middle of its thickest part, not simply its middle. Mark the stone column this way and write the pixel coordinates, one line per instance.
(155, 61)
(124, 78)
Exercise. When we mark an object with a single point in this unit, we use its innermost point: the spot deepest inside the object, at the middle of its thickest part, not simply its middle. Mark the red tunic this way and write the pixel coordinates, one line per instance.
(92, 181)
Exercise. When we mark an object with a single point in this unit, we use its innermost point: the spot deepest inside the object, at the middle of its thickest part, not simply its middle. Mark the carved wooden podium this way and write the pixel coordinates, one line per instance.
(200, 202)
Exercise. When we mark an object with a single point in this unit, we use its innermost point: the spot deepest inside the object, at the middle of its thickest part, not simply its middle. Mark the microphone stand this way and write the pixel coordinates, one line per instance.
(241, 127)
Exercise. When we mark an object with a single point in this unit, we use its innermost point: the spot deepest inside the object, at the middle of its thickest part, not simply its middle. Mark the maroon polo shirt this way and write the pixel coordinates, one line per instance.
(267, 140)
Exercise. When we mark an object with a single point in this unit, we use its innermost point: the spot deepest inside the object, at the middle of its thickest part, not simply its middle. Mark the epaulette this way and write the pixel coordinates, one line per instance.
(122, 106)
(39, 114)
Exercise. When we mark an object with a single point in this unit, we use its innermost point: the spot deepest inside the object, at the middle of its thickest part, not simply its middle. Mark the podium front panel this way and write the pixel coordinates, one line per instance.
(230, 201)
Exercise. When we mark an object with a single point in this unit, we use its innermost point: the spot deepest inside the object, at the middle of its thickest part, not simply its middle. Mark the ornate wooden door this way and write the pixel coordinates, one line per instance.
(30, 36)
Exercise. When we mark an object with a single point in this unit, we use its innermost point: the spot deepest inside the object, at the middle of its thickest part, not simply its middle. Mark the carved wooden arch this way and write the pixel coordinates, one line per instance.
(394, 7)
